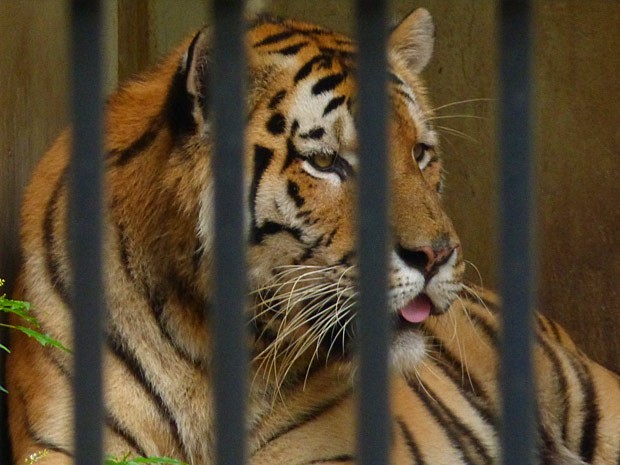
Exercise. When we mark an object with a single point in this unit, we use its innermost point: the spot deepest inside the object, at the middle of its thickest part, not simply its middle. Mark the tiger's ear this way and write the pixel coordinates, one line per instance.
(188, 99)
(412, 40)
(195, 62)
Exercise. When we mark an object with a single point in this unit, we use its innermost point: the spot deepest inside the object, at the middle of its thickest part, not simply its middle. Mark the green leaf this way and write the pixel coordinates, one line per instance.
(42, 339)
(19, 308)
(5, 348)
(3, 390)
(143, 460)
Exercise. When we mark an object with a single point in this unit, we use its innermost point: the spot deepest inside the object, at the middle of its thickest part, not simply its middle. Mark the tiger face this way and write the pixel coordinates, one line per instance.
(302, 162)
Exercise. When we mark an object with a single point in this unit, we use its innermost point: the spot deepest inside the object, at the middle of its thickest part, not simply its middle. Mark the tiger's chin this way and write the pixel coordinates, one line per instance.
(407, 350)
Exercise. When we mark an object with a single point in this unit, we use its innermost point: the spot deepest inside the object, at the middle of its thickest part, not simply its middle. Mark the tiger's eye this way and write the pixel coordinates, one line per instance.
(418, 151)
(323, 160)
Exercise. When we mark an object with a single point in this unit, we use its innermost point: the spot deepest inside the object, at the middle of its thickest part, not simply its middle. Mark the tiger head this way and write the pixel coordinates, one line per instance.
(301, 167)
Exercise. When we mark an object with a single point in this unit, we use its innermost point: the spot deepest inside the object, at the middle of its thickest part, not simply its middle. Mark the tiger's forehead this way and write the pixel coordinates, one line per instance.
(316, 96)
(275, 36)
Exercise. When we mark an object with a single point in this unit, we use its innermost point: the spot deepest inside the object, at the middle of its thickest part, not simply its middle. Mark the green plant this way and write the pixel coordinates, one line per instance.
(22, 310)
(125, 460)
(143, 460)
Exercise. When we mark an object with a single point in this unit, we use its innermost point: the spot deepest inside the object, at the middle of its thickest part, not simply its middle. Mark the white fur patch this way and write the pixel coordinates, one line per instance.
(407, 350)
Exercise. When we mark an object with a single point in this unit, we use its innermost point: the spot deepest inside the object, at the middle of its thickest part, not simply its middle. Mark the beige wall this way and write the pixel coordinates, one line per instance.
(33, 84)
(578, 136)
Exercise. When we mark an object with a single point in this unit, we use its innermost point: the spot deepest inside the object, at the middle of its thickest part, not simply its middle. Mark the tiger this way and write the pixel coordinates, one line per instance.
(301, 162)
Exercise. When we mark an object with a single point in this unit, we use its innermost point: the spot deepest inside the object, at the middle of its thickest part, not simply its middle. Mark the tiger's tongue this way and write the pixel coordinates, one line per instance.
(417, 310)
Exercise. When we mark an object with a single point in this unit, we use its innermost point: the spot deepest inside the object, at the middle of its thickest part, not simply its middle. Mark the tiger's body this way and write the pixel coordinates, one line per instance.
(301, 161)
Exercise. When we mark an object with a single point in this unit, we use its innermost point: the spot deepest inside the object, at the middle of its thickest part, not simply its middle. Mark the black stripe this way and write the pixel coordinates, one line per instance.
(589, 427)
(328, 83)
(487, 303)
(316, 30)
(52, 262)
(337, 459)
(411, 444)
(129, 359)
(276, 124)
(272, 39)
(291, 49)
(309, 253)
(347, 259)
(124, 252)
(489, 331)
(551, 354)
(405, 95)
(294, 128)
(269, 228)
(115, 425)
(293, 192)
(554, 328)
(346, 42)
(262, 159)
(395, 79)
(124, 156)
(439, 413)
(330, 237)
(542, 324)
(333, 104)
(329, 51)
(178, 108)
(197, 255)
(30, 431)
(49, 352)
(476, 396)
(315, 133)
(306, 69)
(157, 304)
(462, 428)
(304, 418)
(291, 154)
(276, 99)
(547, 448)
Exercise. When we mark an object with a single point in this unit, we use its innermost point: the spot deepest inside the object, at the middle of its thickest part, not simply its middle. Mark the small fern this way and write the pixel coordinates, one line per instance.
(22, 310)
(125, 460)
(143, 460)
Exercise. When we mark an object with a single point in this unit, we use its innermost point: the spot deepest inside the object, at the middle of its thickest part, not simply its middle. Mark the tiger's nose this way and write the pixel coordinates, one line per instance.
(426, 259)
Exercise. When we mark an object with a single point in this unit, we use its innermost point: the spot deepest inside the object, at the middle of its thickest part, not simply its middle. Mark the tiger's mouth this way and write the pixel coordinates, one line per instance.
(416, 310)
(410, 317)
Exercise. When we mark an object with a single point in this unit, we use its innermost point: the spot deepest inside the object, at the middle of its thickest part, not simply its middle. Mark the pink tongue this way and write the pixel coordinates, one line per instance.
(417, 310)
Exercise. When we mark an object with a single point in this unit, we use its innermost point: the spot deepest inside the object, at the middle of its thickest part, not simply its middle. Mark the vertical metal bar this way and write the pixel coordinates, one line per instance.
(228, 318)
(85, 227)
(373, 324)
(5, 447)
(518, 266)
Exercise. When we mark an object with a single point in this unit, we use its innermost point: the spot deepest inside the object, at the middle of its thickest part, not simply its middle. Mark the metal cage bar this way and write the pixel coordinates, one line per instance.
(228, 319)
(5, 445)
(373, 324)
(517, 262)
(85, 228)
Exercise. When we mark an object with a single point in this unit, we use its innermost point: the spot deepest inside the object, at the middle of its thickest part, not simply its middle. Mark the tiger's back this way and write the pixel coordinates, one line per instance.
(301, 165)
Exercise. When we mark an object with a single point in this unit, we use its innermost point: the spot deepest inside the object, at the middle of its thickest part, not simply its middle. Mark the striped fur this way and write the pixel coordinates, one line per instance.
(301, 165)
